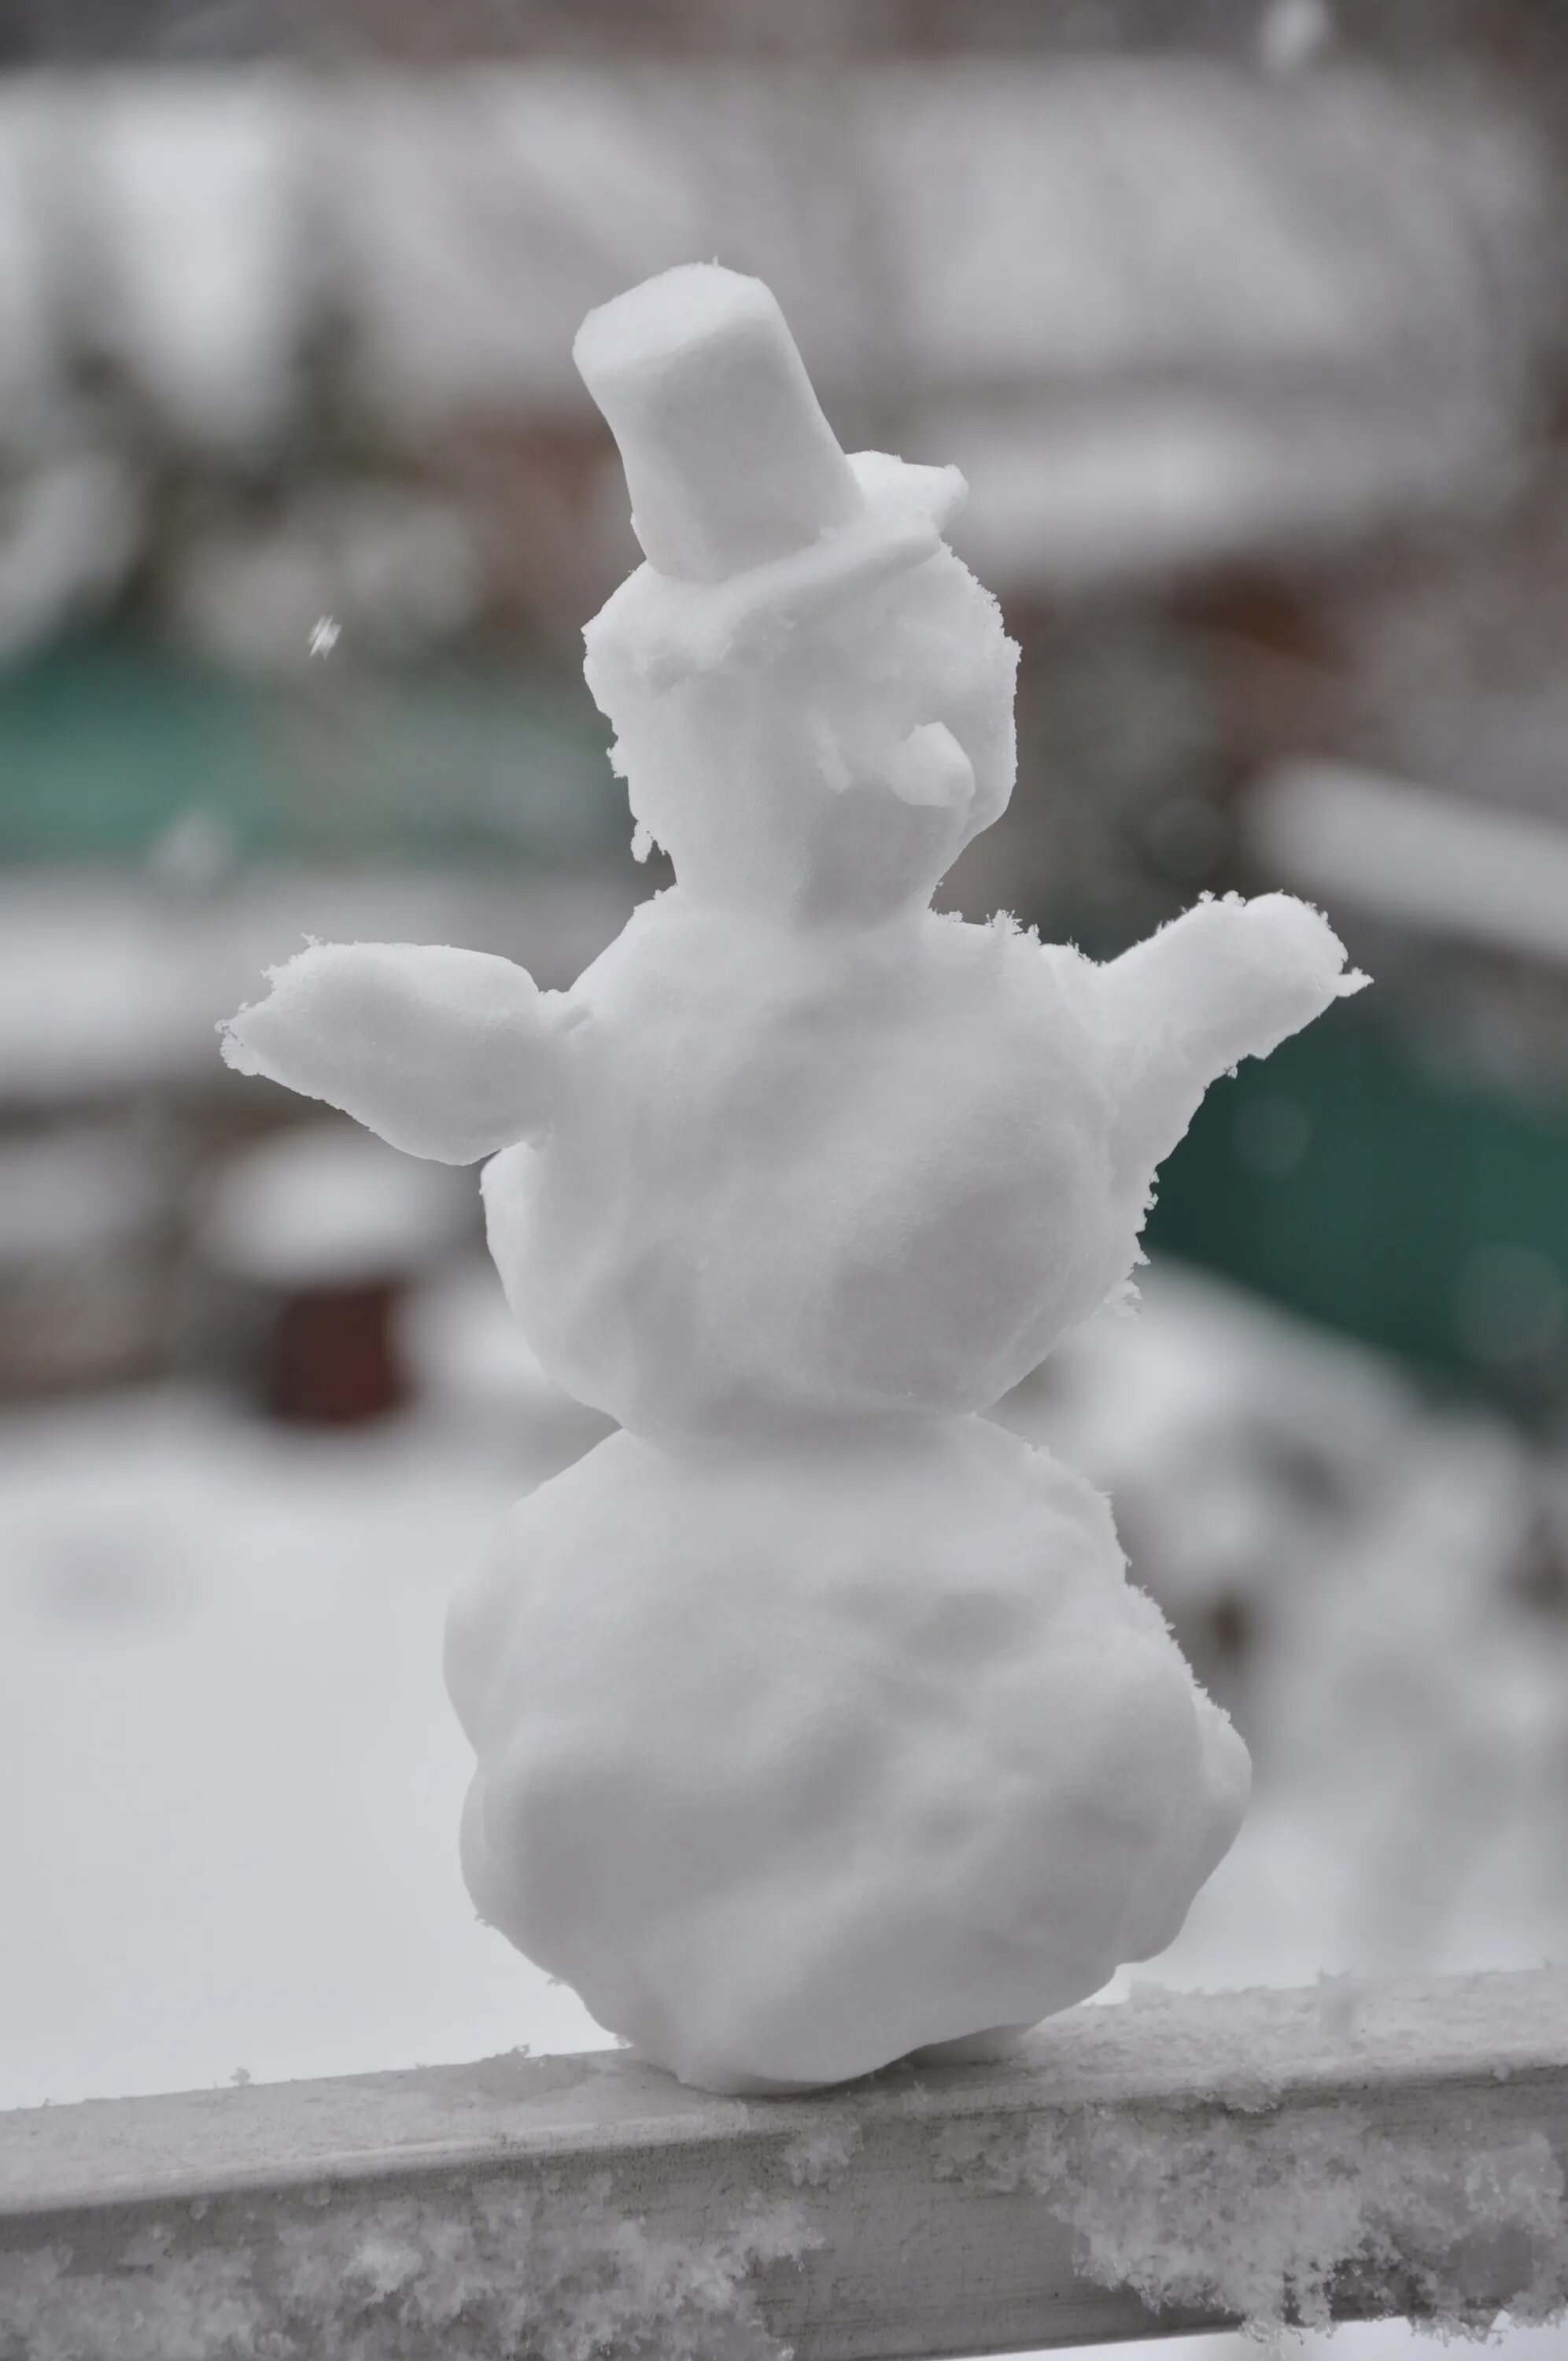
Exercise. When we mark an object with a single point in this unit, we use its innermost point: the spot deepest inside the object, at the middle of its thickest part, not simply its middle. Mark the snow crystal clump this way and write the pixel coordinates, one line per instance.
(813, 1727)
(1269, 2218)
(1263, 2219)
(820, 2157)
(398, 2278)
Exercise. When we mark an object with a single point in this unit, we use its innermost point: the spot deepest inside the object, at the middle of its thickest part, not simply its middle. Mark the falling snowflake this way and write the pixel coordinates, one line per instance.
(324, 637)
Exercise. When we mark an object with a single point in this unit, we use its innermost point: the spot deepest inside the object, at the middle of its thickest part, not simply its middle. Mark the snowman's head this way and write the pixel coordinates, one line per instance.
(812, 697)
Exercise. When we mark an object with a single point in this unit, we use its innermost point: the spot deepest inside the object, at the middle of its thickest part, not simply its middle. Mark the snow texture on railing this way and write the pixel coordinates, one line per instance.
(1171, 2163)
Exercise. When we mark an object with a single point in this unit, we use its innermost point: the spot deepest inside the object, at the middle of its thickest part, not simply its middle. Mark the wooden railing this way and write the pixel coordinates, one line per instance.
(1168, 2164)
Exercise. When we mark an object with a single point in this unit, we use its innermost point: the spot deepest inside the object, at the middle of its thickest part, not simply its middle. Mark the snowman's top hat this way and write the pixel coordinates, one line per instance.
(731, 464)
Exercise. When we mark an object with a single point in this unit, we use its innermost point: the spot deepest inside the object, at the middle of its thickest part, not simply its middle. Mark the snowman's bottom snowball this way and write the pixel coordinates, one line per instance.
(793, 1760)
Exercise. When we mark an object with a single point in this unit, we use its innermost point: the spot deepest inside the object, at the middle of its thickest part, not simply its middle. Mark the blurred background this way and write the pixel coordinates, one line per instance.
(1247, 321)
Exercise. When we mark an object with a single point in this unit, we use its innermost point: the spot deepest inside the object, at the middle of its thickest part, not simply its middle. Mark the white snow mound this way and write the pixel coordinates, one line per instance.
(793, 1760)
(796, 1176)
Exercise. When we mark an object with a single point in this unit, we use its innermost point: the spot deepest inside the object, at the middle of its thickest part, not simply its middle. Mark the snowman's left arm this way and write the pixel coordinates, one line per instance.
(449, 1054)
(1229, 980)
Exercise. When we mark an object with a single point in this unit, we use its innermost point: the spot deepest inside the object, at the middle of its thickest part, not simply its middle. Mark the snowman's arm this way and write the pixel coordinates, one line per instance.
(448, 1054)
(1229, 980)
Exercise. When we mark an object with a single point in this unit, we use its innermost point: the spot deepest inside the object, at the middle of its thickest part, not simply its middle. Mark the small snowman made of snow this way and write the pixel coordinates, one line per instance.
(816, 1720)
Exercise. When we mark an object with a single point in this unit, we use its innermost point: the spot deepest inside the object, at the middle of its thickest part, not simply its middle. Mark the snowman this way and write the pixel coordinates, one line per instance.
(816, 1721)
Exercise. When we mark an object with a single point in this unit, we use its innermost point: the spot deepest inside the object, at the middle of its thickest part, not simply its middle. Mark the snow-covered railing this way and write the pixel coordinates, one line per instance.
(1167, 2164)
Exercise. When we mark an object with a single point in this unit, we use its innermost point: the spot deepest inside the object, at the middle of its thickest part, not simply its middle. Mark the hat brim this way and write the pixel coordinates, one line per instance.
(892, 487)
(682, 627)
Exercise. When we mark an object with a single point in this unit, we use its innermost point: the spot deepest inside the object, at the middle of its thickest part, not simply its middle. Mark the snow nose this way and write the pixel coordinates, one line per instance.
(931, 768)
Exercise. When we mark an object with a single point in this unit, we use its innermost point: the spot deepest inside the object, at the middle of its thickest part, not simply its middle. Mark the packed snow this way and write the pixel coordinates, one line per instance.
(445, 1053)
(320, 1205)
(223, 1728)
(518, 2271)
(1204, 2195)
(1198, 2210)
(904, 1788)
(804, 1176)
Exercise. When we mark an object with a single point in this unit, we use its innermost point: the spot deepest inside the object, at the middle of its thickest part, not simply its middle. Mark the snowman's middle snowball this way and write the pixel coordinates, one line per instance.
(792, 1760)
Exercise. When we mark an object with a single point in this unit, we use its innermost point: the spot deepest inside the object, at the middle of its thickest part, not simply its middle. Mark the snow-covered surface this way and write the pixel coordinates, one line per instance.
(396, 2279)
(1251, 2151)
(232, 1779)
(1425, 859)
(96, 1003)
(1366, 2339)
(320, 1205)
(1262, 2223)
(1194, 2205)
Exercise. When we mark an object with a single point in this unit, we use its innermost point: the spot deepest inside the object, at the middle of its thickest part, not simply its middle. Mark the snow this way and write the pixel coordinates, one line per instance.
(1407, 1705)
(1292, 33)
(176, 1586)
(1171, 225)
(195, 196)
(1228, 195)
(1415, 855)
(1201, 2211)
(447, 1054)
(28, 336)
(112, 984)
(319, 1204)
(853, 1816)
(1138, 482)
(555, 2277)
(400, 567)
(94, 1006)
(71, 1190)
(1202, 2197)
(815, 1720)
(728, 459)
(465, 1351)
(1098, 214)
(820, 2157)
(220, 1698)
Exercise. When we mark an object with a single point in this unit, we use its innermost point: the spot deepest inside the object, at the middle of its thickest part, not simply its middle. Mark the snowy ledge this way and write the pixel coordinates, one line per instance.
(1169, 2164)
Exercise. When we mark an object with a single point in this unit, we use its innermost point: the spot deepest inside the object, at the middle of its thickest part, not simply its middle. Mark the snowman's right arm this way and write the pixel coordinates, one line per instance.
(1230, 979)
(448, 1054)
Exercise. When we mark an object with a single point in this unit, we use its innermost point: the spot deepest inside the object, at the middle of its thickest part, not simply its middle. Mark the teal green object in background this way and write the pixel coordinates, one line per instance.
(1415, 1205)
(104, 745)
